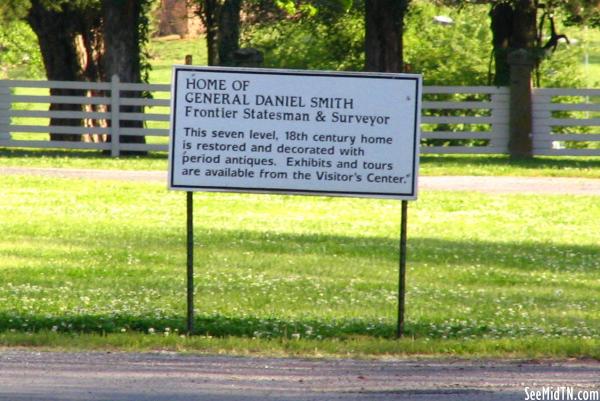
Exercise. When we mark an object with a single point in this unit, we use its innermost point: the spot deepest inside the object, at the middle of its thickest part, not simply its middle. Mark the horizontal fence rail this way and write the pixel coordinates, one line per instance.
(566, 122)
(116, 117)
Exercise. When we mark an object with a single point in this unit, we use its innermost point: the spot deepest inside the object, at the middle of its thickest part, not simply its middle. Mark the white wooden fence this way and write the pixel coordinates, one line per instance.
(458, 119)
(566, 116)
(467, 120)
(25, 114)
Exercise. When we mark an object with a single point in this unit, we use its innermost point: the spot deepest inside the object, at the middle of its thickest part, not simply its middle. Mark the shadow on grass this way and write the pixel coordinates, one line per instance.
(246, 327)
(212, 325)
(274, 328)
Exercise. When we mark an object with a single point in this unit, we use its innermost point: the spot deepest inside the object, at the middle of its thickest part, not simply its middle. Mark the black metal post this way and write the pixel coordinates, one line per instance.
(190, 263)
(402, 270)
(190, 249)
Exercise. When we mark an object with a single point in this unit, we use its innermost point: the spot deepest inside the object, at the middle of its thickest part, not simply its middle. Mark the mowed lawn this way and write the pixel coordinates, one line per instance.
(81, 256)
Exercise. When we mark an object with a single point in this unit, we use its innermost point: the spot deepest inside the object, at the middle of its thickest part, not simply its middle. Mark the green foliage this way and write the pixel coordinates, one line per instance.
(564, 68)
(144, 27)
(290, 7)
(19, 52)
(455, 54)
(579, 12)
(13, 9)
(314, 7)
(310, 42)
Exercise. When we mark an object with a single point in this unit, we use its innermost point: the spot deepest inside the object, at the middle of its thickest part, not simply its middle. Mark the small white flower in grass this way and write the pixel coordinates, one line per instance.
(55, 328)
(123, 330)
(151, 330)
(295, 336)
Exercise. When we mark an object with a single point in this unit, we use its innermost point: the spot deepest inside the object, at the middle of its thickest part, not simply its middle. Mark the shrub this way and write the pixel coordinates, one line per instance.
(19, 52)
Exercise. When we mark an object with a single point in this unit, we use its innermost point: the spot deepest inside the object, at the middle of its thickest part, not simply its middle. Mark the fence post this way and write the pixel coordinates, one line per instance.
(500, 117)
(115, 93)
(542, 131)
(4, 112)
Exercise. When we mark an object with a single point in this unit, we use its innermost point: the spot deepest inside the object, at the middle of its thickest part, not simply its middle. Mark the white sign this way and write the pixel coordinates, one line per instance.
(298, 132)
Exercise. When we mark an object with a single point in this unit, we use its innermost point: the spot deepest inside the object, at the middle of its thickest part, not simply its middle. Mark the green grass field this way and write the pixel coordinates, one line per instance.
(487, 274)
(97, 265)
(165, 53)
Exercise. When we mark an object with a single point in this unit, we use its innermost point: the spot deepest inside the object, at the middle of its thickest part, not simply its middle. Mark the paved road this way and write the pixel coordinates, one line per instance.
(50, 376)
(547, 185)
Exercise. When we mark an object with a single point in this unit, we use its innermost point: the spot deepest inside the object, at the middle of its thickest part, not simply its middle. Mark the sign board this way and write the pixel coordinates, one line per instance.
(294, 132)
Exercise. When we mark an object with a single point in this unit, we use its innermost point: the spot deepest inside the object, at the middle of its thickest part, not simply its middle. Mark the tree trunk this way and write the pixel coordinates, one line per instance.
(520, 144)
(222, 22)
(229, 31)
(522, 59)
(514, 30)
(384, 25)
(173, 18)
(207, 10)
(513, 27)
(122, 54)
(56, 34)
(524, 30)
(501, 17)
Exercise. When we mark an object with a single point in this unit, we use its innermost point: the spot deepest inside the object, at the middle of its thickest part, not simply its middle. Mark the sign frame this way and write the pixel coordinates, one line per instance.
(410, 194)
(404, 197)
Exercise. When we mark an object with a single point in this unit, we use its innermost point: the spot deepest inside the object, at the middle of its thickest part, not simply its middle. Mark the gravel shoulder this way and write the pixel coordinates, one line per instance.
(524, 185)
(49, 376)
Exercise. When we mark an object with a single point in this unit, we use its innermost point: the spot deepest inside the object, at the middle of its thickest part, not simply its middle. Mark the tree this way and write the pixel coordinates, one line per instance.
(87, 40)
(124, 32)
(518, 49)
(514, 26)
(514, 30)
(222, 21)
(57, 27)
(229, 31)
(384, 25)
